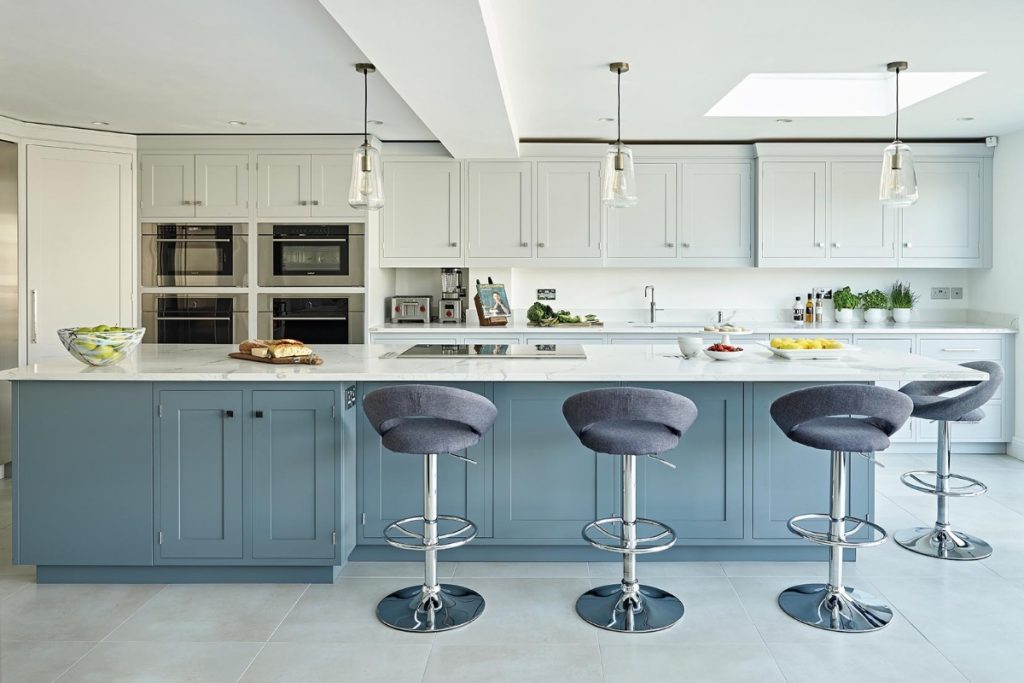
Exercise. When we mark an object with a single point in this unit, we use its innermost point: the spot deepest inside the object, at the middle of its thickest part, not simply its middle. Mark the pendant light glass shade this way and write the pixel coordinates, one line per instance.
(618, 178)
(367, 188)
(899, 181)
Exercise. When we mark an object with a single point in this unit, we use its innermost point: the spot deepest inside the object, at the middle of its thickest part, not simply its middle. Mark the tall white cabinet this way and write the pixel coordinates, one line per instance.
(80, 231)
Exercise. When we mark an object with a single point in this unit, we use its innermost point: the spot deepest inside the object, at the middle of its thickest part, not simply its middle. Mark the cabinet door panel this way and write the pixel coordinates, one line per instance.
(500, 209)
(222, 185)
(647, 230)
(568, 209)
(860, 226)
(293, 474)
(200, 470)
(530, 437)
(793, 209)
(946, 221)
(422, 214)
(168, 185)
(332, 175)
(717, 218)
(283, 185)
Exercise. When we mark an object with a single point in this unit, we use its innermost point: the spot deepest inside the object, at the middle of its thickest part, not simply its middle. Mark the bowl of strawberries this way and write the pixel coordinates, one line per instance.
(722, 351)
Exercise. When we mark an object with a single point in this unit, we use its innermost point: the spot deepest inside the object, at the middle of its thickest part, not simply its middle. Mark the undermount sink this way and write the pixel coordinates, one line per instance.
(678, 325)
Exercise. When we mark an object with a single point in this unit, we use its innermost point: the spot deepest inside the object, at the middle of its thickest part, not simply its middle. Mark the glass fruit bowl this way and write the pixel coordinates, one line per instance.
(100, 345)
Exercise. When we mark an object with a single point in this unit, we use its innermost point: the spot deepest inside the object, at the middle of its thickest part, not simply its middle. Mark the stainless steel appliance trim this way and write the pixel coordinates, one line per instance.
(356, 259)
(265, 300)
(308, 239)
(239, 316)
(267, 229)
(307, 317)
(239, 258)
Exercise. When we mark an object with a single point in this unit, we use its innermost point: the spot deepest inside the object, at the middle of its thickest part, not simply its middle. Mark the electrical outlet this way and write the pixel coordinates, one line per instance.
(956, 292)
(545, 295)
(940, 292)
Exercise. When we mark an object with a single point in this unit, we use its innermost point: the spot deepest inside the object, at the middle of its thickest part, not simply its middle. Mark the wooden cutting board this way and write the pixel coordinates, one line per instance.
(294, 360)
(596, 323)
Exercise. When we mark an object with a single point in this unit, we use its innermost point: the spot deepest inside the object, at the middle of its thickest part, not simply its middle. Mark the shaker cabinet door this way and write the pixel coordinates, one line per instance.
(422, 209)
(647, 230)
(569, 209)
(331, 177)
(792, 221)
(860, 227)
(500, 210)
(168, 185)
(946, 221)
(717, 220)
(282, 185)
(222, 185)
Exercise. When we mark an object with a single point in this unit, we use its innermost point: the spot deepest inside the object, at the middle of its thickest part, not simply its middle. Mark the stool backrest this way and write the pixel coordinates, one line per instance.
(587, 408)
(387, 407)
(888, 409)
(978, 394)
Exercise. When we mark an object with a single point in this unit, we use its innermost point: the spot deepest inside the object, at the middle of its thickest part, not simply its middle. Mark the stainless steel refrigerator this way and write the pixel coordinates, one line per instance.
(8, 285)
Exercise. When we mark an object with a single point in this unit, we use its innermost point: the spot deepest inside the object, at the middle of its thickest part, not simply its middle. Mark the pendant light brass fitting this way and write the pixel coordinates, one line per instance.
(618, 67)
(897, 66)
(365, 68)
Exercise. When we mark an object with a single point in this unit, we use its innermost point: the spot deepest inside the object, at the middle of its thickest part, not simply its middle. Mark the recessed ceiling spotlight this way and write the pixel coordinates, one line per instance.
(237, 123)
(375, 122)
(606, 119)
(783, 120)
(100, 123)
(965, 118)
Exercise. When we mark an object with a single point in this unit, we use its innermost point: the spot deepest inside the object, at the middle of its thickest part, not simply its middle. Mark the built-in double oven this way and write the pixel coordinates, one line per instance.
(195, 255)
(312, 318)
(195, 318)
(311, 255)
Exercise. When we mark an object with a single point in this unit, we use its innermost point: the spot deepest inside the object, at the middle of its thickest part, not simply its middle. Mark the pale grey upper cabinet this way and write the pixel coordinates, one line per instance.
(647, 230)
(168, 185)
(194, 185)
(946, 222)
(717, 219)
(792, 210)
(283, 185)
(331, 175)
(569, 209)
(500, 219)
(422, 210)
(859, 226)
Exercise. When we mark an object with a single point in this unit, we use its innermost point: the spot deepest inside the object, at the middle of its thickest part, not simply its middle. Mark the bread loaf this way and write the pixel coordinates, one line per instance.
(289, 350)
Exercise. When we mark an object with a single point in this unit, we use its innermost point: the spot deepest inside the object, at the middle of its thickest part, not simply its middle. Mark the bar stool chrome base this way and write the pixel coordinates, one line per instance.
(943, 544)
(613, 609)
(418, 610)
(846, 609)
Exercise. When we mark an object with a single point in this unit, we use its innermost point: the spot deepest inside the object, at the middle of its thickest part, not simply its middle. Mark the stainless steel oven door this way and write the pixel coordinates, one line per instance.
(194, 256)
(294, 261)
(195, 319)
(332, 319)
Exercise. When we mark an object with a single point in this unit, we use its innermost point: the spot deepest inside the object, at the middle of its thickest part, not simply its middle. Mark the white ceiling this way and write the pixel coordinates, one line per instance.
(190, 66)
(479, 74)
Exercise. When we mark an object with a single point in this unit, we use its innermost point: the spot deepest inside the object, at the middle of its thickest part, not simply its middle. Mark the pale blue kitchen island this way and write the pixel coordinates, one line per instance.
(183, 465)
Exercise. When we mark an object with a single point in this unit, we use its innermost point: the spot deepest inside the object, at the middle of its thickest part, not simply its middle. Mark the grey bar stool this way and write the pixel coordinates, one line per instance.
(942, 541)
(629, 422)
(843, 419)
(428, 420)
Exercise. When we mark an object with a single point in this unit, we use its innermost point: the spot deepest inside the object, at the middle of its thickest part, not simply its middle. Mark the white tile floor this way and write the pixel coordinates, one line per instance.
(954, 621)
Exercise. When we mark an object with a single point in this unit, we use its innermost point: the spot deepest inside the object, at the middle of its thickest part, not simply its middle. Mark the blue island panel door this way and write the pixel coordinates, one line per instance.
(200, 469)
(293, 474)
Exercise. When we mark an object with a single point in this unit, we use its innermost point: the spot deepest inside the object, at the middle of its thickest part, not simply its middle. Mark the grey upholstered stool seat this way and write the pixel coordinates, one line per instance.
(840, 418)
(941, 540)
(429, 420)
(628, 422)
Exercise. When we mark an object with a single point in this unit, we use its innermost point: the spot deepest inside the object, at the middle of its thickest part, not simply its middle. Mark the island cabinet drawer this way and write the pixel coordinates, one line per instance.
(887, 343)
(989, 429)
(962, 348)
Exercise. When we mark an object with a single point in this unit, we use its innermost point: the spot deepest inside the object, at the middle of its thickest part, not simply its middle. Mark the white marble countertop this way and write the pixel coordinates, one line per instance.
(362, 363)
(670, 328)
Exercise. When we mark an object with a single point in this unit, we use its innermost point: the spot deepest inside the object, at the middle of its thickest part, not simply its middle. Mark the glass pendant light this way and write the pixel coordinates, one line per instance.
(367, 188)
(899, 181)
(618, 181)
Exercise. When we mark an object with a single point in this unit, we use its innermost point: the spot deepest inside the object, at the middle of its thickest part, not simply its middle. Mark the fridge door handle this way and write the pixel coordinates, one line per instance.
(35, 316)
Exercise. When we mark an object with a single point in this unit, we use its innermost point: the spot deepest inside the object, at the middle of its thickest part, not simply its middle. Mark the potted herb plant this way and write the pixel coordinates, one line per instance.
(846, 302)
(876, 306)
(902, 298)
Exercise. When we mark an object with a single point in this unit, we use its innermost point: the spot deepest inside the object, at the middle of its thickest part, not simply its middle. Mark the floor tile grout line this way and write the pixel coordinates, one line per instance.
(760, 635)
(269, 637)
(104, 638)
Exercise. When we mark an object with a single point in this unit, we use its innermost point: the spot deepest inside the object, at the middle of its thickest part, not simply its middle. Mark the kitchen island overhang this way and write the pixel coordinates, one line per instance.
(214, 469)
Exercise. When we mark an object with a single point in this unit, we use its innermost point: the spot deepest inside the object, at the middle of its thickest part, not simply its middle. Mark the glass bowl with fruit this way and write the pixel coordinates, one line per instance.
(723, 351)
(102, 344)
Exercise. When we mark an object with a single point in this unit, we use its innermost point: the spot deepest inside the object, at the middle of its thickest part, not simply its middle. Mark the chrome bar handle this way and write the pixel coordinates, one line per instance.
(462, 457)
(35, 316)
(664, 462)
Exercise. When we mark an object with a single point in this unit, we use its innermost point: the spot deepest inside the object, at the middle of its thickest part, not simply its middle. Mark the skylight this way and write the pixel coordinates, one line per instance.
(833, 94)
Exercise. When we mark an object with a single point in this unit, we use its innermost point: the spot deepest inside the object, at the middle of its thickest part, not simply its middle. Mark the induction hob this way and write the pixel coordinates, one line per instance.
(557, 351)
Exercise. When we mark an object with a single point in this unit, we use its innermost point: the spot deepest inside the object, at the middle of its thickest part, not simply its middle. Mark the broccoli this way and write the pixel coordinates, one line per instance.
(539, 311)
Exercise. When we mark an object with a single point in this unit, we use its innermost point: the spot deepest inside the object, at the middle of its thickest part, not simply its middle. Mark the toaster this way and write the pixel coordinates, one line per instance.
(409, 309)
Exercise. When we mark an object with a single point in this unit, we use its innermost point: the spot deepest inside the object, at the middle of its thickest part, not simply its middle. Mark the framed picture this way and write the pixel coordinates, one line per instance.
(494, 301)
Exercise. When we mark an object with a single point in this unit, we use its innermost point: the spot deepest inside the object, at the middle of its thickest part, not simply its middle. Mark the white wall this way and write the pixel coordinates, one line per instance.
(999, 289)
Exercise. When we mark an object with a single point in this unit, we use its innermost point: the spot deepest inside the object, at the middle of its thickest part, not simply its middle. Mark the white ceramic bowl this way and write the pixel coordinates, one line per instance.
(724, 355)
(690, 346)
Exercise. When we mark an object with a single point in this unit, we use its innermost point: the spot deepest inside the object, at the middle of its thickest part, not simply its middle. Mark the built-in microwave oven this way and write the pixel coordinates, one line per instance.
(311, 255)
(313, 319)
(194, 255)
(195, 318)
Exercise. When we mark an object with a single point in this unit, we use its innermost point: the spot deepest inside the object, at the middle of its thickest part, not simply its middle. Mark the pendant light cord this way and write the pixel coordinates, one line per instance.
(897, 104)
(366, 105)
(618, 113)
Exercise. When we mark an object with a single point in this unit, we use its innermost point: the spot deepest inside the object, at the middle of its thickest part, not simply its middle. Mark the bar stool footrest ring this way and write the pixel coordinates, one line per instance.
(446, 541)
(830, 539)
(913, 480)
(614, 541)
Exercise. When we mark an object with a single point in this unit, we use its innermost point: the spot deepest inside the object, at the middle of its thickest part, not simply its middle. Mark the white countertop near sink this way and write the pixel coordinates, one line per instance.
(669, 328)
(362, 363)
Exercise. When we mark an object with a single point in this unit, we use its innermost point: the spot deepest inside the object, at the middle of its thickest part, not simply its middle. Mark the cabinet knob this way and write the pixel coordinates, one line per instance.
(686, 245)
(315, 202)
(836, 245)
(819, 244)
(198, 202)
(524, 244)
(670, 244)
(453, 244)
(229, 413)
(257, 414)
(187, 202)
(303, 202)
(540, 244)
(908, 245)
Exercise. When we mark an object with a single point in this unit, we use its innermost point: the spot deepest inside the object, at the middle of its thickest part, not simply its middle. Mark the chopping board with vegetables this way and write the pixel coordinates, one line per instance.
(542, 315)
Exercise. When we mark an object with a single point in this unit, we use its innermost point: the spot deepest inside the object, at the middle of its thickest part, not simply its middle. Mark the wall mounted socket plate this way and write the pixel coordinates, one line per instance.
(940, 292)
(956, 292)
(545, 295)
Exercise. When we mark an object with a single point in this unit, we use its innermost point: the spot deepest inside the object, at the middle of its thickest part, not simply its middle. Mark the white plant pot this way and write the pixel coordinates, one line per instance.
(844, 315)
(873, 316)
(902, 315)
